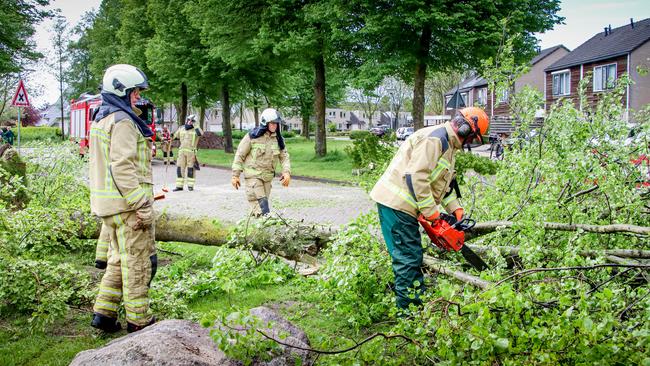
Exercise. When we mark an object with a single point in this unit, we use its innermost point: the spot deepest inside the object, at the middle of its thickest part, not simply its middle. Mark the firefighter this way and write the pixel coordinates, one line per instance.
(420, 178)
(121, 193)
(189, 137)
(257, 155)
(167, 146)
(8, 135)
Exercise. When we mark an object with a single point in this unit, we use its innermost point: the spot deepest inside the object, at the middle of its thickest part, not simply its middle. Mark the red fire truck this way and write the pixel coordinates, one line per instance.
(83, 110)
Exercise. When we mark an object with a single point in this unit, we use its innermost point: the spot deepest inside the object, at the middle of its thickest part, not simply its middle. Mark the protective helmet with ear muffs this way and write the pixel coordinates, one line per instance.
(472, 122)
(119, 79)
(271, 115)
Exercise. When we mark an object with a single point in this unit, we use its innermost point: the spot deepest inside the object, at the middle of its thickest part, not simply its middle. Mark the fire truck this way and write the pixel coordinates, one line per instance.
(83, 110)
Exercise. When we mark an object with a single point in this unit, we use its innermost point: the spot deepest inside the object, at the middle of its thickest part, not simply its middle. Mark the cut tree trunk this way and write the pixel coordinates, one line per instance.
(438, 266)
(183, 112)
(622, 253)
(483, 228)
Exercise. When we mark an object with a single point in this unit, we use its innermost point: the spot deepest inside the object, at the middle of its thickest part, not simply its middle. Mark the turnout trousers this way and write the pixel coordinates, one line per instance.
(258, 193)
(185, 169)
(402, 236)
(132, 264)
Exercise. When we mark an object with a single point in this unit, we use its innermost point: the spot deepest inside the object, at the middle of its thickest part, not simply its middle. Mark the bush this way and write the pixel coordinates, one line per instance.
(466, 161)
(236, 134)
(358, 134)
(289, 134)
(371, 155)
(331, 127)
(39, 133)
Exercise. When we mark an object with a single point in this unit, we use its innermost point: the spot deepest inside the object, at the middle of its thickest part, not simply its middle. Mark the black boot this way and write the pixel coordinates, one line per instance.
(177, 189)
(190, 188)
(108, 325)
(130, 328)
(100, 264)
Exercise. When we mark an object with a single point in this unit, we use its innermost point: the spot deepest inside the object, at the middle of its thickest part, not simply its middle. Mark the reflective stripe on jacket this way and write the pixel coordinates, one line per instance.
(189, 138)
(120, 166)
(257, 158)
(427, 157)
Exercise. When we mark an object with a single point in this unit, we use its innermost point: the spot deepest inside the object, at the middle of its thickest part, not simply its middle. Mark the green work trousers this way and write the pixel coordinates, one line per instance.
(402, 235)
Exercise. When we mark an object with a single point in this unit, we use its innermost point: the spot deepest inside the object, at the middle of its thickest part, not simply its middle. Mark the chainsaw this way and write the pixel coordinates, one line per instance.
(449, 234)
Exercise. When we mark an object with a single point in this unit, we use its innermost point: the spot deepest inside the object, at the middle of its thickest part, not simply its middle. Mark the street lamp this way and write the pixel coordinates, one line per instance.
(393, 121)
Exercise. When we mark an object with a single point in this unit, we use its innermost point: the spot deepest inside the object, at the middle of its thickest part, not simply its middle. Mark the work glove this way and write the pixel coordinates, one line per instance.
(235, 182)
(432, 218)
(285, 179)
(144, 217)
(459, 213)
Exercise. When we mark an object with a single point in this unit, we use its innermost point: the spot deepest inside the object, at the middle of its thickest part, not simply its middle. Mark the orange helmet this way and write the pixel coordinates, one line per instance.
(477, 119)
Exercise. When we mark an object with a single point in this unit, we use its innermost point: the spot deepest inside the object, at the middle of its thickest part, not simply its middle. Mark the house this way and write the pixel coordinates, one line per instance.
(474, 89)
(51, 115)
(605, 57)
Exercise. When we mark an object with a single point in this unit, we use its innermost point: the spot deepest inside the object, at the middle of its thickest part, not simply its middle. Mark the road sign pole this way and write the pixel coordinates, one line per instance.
(19, 130)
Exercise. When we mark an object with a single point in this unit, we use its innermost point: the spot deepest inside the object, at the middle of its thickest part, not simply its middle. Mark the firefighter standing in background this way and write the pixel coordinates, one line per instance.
(167, 146)
(121, 193)
(189, 138)
(257, 155)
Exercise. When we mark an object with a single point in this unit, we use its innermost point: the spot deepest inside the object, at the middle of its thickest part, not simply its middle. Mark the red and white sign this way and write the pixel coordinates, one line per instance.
(20, 98)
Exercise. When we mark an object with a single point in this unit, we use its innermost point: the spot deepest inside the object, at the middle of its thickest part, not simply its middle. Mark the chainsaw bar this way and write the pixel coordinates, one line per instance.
(473, 258)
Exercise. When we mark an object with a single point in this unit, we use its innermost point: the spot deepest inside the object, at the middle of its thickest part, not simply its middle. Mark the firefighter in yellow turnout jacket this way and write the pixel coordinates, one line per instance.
(121, 193)
(189, 137)
(419, 179)
(257, 155)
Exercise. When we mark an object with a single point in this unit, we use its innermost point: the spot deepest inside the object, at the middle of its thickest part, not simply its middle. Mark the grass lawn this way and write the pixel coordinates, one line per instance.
(60, 342)
(337, 165)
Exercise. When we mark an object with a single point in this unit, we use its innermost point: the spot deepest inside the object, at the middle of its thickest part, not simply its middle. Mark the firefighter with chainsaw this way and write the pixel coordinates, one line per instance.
(167, 146)
(121, 194)
(421, 177)
(189, 137)
(257, 155)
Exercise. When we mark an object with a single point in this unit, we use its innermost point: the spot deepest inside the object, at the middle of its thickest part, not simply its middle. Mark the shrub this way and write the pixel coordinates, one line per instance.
(331, 127)
(358, 134)
(39, 133)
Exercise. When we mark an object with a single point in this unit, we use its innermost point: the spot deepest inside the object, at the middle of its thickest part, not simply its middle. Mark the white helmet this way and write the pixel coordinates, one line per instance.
(191, 117)
(118, 79)
(270, 115)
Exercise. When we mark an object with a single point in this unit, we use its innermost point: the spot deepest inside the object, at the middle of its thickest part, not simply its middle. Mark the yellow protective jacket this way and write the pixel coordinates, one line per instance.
(189, 139)
(257, 158)
(120, 166)
(426, 158)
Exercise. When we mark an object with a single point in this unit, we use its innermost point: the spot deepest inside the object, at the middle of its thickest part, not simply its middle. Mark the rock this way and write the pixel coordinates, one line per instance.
(182, 342)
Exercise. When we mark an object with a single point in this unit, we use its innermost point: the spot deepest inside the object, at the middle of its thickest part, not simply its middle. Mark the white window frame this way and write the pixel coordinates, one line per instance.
(504, 96)
(447, 99)
(568, 81)
(482, 92)
(465, 97)
(605, 68)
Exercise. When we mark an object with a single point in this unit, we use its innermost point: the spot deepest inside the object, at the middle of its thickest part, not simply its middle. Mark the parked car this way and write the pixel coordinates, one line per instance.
(380, 131)
(404, 132)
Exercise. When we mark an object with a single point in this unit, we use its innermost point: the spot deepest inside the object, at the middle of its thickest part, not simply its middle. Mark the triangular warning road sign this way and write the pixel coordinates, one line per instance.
(20, 98)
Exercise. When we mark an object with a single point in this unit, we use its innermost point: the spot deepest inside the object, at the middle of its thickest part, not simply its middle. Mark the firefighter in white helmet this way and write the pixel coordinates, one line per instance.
(189, 136)
(257, 155)
(121, 194)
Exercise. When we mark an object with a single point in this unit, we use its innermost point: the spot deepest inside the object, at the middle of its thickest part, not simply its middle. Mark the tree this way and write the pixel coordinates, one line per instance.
(30, 116)
(410, 37)
(60, 39)
(437, 84)
(17, 21)
(79, 75)
(368, 100)
(103, 44)
(398, 93)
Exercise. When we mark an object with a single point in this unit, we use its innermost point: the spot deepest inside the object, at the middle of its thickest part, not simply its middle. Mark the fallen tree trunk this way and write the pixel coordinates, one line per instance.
(483, 228)
(622, 253)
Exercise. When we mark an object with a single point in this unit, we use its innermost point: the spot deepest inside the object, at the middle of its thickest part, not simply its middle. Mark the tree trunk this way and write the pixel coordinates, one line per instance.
(183, 111)
(256, 112)
(202, 118)
(241, 116)
(420, 76)
(319, 106)
(305, 126)
(225, 124)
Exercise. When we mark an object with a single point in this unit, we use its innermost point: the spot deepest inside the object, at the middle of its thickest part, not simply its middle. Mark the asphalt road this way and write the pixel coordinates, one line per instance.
(213, 196)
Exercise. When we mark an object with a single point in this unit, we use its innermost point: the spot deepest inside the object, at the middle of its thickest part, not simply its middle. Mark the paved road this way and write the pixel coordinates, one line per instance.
(213, 196)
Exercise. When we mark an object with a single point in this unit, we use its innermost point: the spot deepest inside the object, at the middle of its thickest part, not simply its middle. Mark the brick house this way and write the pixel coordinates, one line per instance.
(606, 57)
(474, 89)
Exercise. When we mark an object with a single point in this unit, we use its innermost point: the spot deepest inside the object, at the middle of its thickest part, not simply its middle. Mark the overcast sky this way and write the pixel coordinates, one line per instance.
(583, 19)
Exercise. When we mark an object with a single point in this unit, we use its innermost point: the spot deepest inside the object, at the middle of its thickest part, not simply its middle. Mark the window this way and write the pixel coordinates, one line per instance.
(604, 77)
(562, 83)
(482, 96)
(465, 98)
(505, 94)
(447, 99)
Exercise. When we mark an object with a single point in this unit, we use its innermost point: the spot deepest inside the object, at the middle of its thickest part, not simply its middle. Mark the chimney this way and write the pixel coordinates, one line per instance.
(632, 23)
(605, 31)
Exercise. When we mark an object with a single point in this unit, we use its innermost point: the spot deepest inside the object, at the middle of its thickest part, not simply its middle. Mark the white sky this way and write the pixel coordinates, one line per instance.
(583, 19)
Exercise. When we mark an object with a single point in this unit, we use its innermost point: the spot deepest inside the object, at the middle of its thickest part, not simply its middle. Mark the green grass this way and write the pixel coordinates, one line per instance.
(336, 165)
(60, 342)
